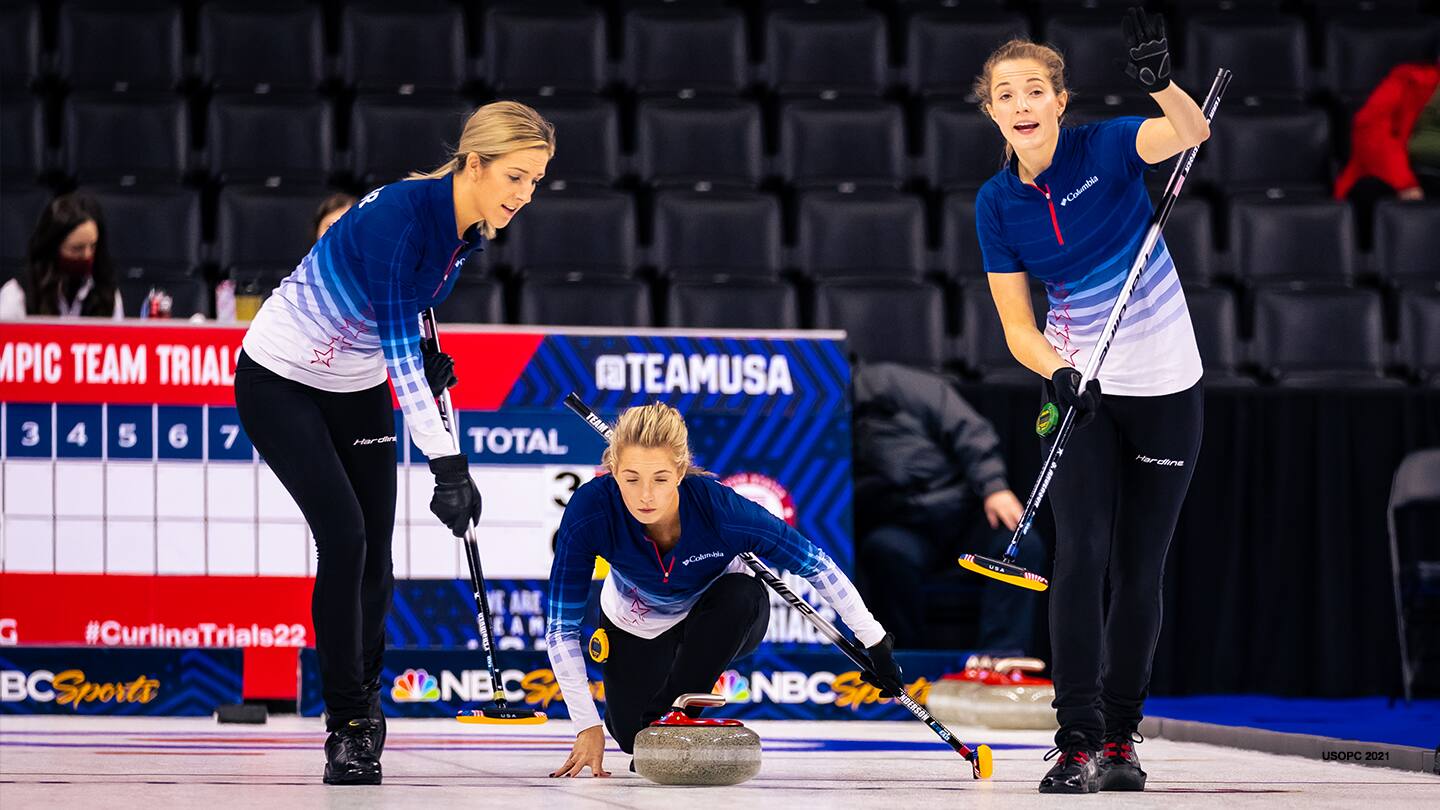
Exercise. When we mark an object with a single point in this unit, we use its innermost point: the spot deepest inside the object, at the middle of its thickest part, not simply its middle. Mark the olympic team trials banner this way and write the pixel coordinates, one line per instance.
(771, 684)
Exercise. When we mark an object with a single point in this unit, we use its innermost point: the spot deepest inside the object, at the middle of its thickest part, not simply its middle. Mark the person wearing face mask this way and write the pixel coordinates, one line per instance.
(69, 272)
(1070, 208)
(678, 605)
(313, 382)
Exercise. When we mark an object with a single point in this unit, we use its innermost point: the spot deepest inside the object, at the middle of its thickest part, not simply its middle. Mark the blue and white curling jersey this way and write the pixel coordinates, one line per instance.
(1077, 229)
(647, 593)
(349, 313)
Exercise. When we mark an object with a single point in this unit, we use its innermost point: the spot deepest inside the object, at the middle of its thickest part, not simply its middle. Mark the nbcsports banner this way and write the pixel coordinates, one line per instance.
(89, 681)
(770, 684)
(125, 469)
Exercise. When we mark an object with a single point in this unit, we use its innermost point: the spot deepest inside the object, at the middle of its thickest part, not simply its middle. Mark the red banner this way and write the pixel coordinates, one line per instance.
(268, 617)
(178, 363)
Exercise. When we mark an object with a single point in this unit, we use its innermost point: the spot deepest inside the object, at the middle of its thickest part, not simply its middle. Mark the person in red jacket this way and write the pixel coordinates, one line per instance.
(1395, 140)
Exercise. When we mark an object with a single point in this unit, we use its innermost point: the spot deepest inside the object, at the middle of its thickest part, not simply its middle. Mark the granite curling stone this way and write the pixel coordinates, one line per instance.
(1012, 697)
(950, 697)
(680, 749)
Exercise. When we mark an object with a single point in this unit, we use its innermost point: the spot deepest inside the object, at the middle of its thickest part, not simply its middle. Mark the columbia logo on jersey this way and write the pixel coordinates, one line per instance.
(1160, 462)
(709, 555)
(1072, 196)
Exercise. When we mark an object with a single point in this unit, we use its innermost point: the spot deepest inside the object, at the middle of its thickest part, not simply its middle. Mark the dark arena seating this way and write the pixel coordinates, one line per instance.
(756, 163)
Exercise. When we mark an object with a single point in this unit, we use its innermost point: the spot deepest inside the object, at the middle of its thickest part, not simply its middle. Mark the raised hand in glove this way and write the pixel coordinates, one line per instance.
(1066, 381)
(1148, 55)
(456, 500)
(439, 370)
(886, 675)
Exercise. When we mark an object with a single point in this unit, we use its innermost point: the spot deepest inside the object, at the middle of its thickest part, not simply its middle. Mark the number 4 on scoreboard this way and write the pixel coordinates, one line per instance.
(79, 428)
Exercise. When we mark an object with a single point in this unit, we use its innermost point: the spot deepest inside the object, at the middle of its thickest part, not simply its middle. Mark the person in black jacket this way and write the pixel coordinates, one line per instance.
(930, 484)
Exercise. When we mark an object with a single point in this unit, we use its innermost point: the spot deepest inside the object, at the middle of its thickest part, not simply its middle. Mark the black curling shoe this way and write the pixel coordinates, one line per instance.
(350, 754)
(372, 694)
(1076, 771)
(1119, 766)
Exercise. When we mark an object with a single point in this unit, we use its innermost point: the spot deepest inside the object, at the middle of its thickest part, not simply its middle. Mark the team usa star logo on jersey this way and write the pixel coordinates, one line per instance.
(638, 610)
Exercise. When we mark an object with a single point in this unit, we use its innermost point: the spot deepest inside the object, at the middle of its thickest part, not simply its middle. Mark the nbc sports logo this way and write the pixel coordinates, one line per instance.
(415, 686)
(733, 686)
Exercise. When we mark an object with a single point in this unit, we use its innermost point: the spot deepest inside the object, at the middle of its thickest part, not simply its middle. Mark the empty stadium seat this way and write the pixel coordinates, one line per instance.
(830, 143)
(735, 303)
(710, 141)
(1288, 240)
(544, 49)
(189, 294)
(946, 50)
(584, 301)
(707, 233)
(963, 147)
(391, 137)
(1190, 237)
(20, 45)
(1361, 49)
(253, 138)
(587, 132)
(1407, 242)
(685, 50)
(1193, 6)
(1420, 335)
(261, 47)
(268, 227)
(874, 235)
(417, 46)
(1252, 150)
(1266, 52)
(22, 138)
(1327, 336)
(154, 229)
(592, 230)
(20, 208)
(473, 300)
(120, 46)
(1216, 320)
(1091, 43)
(122, 138)
(895, 321)
(959, 244)
(826, 51)
(983, 351)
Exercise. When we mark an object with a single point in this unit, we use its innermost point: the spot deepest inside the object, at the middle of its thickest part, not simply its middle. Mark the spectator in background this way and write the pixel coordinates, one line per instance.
(929, 485)
(330, 211)
(68, 272)
(1395, 140)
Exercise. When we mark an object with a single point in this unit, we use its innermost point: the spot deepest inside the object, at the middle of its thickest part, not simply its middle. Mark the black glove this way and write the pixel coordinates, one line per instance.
(886, 675)
(1066, 380)
(456, 500)
(439, 370)
(1148, 59)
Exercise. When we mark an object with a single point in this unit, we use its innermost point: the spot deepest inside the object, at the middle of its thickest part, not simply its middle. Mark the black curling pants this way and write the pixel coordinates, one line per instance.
(643, 676)
(335, 454)
(1116, 496)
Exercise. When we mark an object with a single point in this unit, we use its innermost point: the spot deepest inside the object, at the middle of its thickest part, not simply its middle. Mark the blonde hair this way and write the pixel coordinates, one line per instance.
(1052, 59)
(654, 426)
(495, 129)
